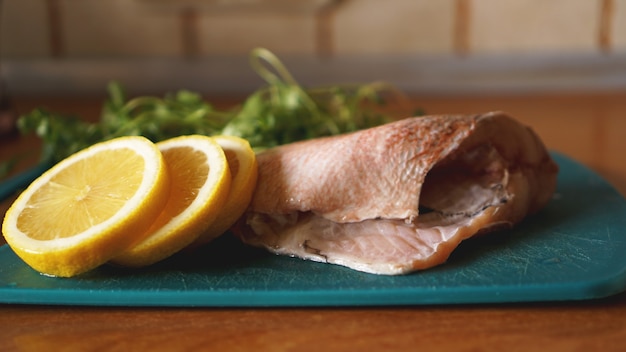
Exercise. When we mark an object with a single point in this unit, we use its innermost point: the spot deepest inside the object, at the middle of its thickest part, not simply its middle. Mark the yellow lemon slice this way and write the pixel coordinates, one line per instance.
(200, 183)
(89, 207)
(244, 171)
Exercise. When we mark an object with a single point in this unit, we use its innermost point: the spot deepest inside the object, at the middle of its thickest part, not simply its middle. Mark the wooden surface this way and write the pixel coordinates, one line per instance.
(590, 128)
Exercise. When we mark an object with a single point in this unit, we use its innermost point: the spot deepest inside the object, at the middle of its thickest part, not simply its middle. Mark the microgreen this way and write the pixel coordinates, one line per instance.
(281, 112)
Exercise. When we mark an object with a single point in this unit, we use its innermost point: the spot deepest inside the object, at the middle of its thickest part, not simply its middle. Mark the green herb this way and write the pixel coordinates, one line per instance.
(285, 112)
(281, 112)
(155, 118)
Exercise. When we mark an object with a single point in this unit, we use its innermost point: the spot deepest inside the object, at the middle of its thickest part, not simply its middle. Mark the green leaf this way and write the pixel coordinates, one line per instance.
(280, 112)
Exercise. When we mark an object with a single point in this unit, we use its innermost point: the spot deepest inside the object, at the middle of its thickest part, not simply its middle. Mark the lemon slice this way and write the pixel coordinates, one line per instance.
(244, 171)
(89, 207)
(200, 183)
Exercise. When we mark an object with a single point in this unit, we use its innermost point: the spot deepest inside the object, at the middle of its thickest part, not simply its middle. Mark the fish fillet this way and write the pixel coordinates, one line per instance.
(399, 197)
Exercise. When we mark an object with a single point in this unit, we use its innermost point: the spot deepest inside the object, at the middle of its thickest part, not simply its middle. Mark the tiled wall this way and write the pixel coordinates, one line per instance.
(139, 28)
(71, 30)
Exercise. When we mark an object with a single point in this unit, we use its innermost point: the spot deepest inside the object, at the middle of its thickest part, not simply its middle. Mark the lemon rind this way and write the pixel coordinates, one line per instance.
(190, 223)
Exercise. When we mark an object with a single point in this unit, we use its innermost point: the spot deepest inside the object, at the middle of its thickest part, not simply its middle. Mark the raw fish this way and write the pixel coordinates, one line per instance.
(399, 197)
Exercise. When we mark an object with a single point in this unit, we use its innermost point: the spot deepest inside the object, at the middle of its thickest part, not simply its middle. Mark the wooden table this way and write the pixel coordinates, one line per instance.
(588, 127)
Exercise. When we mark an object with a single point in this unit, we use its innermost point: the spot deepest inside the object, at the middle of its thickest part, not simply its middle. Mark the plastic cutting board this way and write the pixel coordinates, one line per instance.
(572, 250)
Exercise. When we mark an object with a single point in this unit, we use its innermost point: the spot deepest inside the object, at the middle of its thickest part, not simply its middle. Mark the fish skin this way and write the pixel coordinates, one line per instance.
(366, 166)
(353, 199)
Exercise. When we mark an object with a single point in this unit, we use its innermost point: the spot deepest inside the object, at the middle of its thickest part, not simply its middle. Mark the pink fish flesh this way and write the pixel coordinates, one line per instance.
(399, 197)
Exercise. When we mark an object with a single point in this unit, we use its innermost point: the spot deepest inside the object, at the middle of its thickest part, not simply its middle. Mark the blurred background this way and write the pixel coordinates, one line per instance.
(74, 47)
(556, 65)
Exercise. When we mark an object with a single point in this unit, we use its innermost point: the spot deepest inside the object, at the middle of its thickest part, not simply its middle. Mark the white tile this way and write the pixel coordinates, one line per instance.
(23, 29)
(528, 26)
(236, 33)
(395, 27)
(619, 26)
(118, 28)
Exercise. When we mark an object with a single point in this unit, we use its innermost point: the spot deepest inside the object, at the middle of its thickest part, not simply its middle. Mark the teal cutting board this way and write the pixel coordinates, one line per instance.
(574, 249)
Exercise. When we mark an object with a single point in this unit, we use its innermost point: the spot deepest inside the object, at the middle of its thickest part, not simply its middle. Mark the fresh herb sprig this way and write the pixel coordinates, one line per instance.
(279, 113)
(285, 112)
(155, 118)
